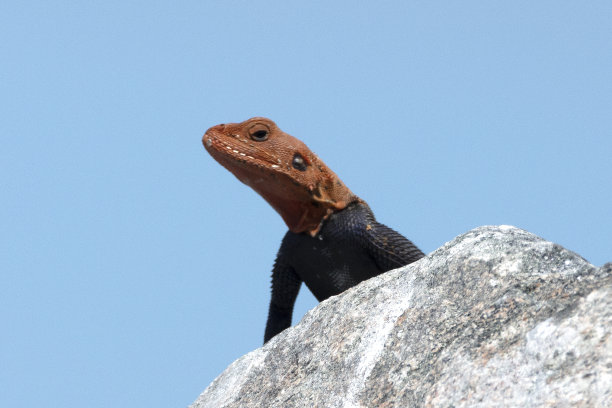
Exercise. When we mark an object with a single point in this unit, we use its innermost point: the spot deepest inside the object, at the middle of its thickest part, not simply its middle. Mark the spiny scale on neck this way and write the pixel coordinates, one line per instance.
(280, 168)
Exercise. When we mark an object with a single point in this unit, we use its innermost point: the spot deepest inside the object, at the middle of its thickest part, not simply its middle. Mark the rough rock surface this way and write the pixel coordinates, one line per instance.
(497, 317)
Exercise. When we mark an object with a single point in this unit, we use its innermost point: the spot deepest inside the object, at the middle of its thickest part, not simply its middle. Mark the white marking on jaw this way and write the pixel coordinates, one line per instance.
(227, 147)
(242, 154)
(251, 157)
(274, 166)
(235, 151)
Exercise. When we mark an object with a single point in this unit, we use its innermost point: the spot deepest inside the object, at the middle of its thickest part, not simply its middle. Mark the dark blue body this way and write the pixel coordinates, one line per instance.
(351, 247)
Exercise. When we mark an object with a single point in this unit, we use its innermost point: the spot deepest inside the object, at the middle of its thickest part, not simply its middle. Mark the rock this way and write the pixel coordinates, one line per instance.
(497, 317)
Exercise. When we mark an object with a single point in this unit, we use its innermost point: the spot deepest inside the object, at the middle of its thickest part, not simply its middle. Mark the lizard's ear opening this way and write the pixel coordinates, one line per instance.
(299, 162)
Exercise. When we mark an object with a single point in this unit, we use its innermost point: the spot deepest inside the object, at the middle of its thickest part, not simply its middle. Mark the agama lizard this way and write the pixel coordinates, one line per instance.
(333, 243)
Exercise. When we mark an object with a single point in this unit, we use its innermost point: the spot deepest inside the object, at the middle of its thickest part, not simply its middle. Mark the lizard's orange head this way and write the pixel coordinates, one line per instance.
(296, 183)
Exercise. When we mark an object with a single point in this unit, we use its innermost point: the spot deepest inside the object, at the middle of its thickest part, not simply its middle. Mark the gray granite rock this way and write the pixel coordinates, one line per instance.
(497, 317)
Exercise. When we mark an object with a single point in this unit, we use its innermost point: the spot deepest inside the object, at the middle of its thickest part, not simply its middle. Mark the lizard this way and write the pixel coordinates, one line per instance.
(333, 242)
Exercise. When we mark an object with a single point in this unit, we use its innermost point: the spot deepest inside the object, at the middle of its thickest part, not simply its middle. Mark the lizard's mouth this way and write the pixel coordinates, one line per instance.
(228, 149)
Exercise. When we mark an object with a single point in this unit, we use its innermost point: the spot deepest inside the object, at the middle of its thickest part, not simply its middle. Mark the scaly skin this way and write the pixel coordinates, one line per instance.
(333, 243)
(291, 178)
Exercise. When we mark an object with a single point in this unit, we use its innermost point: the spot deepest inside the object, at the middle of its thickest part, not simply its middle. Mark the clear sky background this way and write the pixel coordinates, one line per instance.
(134, 268)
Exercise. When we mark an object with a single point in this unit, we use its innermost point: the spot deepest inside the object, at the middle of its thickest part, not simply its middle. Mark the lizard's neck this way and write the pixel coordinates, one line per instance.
(290, 177)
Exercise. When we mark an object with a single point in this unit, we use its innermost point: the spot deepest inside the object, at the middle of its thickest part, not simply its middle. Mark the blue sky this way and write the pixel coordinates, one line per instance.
(134, 268)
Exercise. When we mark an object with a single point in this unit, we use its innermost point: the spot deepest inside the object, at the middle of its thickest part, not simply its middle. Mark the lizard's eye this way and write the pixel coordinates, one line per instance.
(259, 132)
(260, 135)
(299, 162)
